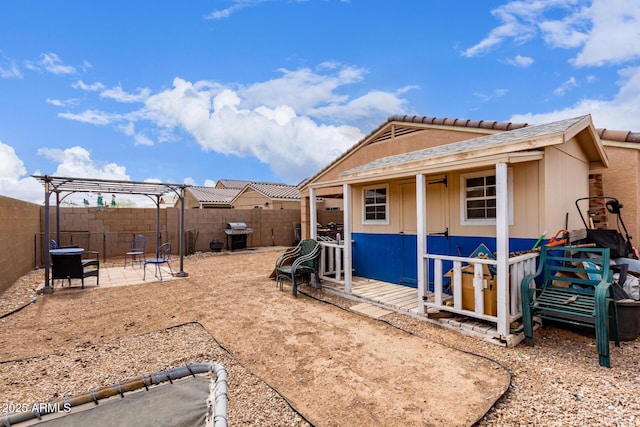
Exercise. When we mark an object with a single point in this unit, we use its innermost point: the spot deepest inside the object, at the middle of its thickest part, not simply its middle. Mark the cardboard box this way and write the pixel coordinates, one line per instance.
(490, 290)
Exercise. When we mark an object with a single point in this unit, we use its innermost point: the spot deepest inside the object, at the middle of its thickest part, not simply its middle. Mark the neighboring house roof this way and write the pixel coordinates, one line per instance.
(619, 135)
(275, 192)
(213, 195)
(231, 183)
(227, 196)
(522, 142)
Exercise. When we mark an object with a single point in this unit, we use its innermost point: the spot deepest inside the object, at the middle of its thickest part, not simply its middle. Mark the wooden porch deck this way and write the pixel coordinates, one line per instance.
(376, 299)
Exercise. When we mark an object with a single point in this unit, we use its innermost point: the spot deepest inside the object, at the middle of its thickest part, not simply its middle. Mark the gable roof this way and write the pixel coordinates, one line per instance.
(283, 192)
(399, 125)
(521, 144)
(405, 124)
(213, 195)
(273, 192)
(227, 196)
(231, 183)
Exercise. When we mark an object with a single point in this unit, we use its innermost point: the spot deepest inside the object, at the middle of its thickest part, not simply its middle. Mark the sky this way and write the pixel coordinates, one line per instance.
(274, 90)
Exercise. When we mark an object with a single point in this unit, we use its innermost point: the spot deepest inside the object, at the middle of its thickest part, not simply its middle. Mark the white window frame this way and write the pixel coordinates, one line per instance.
(364, 205)
(463, 197)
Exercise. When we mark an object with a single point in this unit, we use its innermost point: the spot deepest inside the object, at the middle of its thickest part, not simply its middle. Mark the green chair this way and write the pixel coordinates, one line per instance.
(301, 261)
(573, 285)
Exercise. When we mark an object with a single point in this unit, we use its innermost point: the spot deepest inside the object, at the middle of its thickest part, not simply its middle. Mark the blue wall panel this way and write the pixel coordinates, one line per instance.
(392, 257)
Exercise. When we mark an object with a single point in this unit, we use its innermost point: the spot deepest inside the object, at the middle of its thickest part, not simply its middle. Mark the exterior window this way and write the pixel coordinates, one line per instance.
(376, 205)
(478, 197)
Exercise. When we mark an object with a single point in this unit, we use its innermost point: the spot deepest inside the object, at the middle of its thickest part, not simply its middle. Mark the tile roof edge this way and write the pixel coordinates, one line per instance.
(444, 121)
(618, 135)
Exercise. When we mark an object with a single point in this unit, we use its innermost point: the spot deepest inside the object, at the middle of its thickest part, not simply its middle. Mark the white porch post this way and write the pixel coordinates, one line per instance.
(421, 217)
(313, 214)
(502, 247)
(348, 262)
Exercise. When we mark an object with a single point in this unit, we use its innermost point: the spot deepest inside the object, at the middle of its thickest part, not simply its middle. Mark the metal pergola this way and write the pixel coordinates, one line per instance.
(60, 185)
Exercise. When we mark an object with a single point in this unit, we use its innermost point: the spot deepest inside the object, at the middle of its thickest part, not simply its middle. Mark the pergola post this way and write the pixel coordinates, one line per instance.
(47, 238)
(182, 273)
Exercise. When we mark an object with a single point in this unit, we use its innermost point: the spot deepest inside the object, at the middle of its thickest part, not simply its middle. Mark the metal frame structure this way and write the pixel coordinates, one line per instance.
(153, 190)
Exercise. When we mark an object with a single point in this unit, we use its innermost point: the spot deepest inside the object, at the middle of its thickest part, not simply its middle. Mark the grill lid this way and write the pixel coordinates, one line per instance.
(235, 228)
(236, 225)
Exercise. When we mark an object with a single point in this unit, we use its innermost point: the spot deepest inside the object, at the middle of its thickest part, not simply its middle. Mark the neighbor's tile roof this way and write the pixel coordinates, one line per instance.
(619, 135)
(276, 191)
(213, 195)
(233, 183)
(483, 142)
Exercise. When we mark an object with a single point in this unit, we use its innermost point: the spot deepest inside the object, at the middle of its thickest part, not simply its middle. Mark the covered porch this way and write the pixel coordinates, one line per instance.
(439, 302)
(416, 219)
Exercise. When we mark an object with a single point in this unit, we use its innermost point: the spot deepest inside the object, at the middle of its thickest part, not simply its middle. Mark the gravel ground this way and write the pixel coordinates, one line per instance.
(556, 383)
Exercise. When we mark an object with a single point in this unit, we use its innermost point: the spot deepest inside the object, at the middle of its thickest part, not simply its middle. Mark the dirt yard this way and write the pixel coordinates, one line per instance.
(308, 354)
(336, 367)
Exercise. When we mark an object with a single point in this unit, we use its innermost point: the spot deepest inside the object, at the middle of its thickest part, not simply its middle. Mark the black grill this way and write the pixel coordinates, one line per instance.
(237, 232)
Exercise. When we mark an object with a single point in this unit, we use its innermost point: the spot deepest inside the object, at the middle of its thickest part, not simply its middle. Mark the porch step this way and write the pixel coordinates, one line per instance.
(370, 310)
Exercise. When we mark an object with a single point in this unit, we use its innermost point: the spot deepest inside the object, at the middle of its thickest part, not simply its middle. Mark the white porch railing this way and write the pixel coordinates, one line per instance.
(332, 261)
(519, 266)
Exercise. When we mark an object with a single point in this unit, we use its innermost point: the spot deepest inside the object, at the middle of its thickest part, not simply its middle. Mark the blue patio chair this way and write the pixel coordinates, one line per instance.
(138, 245)
(162, 257)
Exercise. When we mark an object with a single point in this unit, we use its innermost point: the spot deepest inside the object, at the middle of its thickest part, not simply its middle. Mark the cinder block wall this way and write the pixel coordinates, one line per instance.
(19, 227)
(109, 232)
(22, 245)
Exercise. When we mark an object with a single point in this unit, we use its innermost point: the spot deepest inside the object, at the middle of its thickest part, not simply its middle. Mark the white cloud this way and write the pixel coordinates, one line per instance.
(278, 121)
(63, 103)
(606, 31)
(497, 93)
(519, 22)
(520, 61)
(615, 34)
(53, 64)
(302, 89)
(89, 88)
(13, 182)
(10, 70)
(94, 117)
(10, 164)
(118, 94)
(620, 112)
(189, 181)
(237, 6)
(294, 122)
(141, 139)
(294, 146)
(76, 162)
(566, 86)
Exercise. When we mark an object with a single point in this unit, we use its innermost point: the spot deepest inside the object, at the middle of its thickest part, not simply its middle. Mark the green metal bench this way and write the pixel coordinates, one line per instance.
(574, 288)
